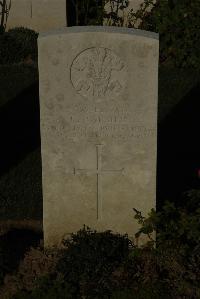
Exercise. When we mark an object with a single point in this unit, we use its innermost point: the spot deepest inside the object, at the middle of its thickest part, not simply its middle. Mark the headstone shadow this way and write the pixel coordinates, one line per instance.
(19, 127)
(179, 149)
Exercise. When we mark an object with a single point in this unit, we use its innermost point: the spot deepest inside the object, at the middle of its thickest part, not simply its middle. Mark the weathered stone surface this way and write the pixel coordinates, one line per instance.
(98, 97)
(39, 15)
(20, 14)
(49, 14)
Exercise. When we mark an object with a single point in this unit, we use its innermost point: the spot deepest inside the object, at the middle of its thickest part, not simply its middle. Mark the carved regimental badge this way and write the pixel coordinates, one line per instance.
(98, 73)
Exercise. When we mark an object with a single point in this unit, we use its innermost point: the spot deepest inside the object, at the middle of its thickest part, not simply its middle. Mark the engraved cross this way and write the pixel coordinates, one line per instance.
(98, 171)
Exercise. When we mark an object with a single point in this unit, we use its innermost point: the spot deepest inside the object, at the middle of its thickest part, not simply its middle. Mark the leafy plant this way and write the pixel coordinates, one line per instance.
(114, 14)
(90, 259)
(176, 247)
(175, 226)
(17, 45)
(37, 264)
(105, 265)
(92, 12)
(51, 287)
(88, 12)
(84, 269)
(178, 25)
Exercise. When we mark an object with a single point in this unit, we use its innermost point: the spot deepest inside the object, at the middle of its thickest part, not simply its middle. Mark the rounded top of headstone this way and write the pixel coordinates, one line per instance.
(105, 29)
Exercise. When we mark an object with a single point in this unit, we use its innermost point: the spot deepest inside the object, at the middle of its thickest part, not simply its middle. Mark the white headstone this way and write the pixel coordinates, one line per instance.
(39, 15)
(48, 14)
(20, 14)
(98, 99)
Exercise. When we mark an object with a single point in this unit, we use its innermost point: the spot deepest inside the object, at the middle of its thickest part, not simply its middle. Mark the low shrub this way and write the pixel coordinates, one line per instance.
(95, 265)
(13, 245)
(177, 245)
(176, 226)
(50, 287)
(36, 264)
(91, 258)
(178, 25)
(89, 12)
(17, 45)
(85, 267)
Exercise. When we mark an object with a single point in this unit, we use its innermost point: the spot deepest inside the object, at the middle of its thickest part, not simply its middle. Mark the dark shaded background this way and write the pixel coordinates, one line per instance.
(20, 158)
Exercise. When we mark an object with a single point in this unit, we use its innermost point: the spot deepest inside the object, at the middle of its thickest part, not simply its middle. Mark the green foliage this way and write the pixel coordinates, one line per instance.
(92, 12)
(114, 16)
(177, 245)
(18, 44)
(178, 25)
(8, 49)
(147, 292)
(123, 294)
(88, 12)
(51, 287)
(85, 268)
(176, 227)
(104, 265)
(90, 259)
